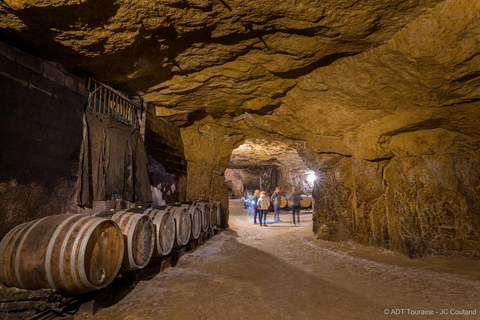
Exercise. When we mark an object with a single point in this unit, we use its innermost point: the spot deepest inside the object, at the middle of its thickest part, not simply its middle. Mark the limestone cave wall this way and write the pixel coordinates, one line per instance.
(415, 202)
(242, 181)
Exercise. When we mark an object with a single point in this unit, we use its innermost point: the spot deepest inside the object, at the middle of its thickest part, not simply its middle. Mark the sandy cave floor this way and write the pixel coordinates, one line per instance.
(284, 272)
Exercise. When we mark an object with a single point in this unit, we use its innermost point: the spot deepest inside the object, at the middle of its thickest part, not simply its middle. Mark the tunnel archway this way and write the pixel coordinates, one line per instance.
(266, 164)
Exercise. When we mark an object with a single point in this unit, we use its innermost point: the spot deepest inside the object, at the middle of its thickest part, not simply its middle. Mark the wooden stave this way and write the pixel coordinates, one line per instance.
(195, 218)
(219, 214)
(128, 222)
(162, 219)
(73, 233)
(213, 214)
(182, 225)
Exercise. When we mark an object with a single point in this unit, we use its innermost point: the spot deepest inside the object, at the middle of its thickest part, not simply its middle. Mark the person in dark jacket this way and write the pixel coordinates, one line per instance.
(255, 206)
(275, 200)
(295, 199)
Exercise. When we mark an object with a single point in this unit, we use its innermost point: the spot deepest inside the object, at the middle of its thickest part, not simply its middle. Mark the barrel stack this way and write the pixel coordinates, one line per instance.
(76, 253)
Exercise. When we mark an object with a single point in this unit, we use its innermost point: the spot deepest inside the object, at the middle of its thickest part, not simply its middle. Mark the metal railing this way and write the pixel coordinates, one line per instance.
(105, 99)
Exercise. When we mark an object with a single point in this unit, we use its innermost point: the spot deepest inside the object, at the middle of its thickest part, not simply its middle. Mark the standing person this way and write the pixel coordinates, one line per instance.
(255, 207)
(295, 199)
(263, 204)
(275, 200)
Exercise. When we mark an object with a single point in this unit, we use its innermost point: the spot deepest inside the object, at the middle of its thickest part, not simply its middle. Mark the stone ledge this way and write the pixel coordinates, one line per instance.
(8, 51)
(54, 74)
(29, 61)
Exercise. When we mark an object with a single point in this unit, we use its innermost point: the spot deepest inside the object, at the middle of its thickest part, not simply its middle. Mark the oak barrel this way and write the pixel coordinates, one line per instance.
(306, 202)
(213, 214)
(196, 219)
(219, 214)
(205, 214)
(183, 225)
(72, 253)
(139, 237)
(164, 230)
(283, 202)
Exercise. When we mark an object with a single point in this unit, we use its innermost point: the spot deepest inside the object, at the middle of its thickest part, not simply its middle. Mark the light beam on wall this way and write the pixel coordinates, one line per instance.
(311, 177)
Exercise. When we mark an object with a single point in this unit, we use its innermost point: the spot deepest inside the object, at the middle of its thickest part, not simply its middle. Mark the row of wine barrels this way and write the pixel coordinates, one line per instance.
(306, 202)
(72, 253)
(212, 213)
(164, 230)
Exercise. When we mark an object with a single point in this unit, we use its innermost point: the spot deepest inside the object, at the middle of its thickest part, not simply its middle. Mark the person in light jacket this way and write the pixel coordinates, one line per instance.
(275, 200)
(263, 204)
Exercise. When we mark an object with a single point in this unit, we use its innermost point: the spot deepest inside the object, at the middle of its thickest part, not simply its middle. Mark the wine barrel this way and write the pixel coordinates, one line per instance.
(71, 253)
(183, 225)
(213, 214)
(306, 202)
(283, 202)
(196, 219)
(139, 236)
(219, 214)
(205, 214)
(164, 230)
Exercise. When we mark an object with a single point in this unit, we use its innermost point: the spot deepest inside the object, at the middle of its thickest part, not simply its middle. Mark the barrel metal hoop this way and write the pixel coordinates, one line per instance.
(19, 250)
(48, 254)
(3, 246)
(73, 260)
(8, 274)
(148, 211)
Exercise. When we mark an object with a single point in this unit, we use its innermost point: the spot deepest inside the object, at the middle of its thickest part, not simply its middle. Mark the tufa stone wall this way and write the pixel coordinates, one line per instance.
(423, 200)
(40, 135)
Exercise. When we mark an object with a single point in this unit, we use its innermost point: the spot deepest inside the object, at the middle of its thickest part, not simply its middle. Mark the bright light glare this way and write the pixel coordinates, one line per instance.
(311, 177)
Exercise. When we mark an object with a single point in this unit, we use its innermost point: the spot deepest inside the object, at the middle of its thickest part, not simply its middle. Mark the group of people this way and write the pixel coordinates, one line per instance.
(261, 202)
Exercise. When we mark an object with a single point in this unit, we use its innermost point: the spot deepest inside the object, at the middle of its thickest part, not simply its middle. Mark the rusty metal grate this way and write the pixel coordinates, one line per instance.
(107, 100)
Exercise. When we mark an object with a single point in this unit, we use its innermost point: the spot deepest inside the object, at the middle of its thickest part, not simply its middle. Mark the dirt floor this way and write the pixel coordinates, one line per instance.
(284, 272)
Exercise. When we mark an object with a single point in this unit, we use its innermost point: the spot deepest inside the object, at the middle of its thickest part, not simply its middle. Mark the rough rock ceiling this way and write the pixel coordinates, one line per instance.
(345, 77)
(261, 154)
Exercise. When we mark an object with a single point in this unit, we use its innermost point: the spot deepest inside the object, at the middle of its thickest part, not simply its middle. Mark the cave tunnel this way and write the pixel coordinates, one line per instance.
(131, 131)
